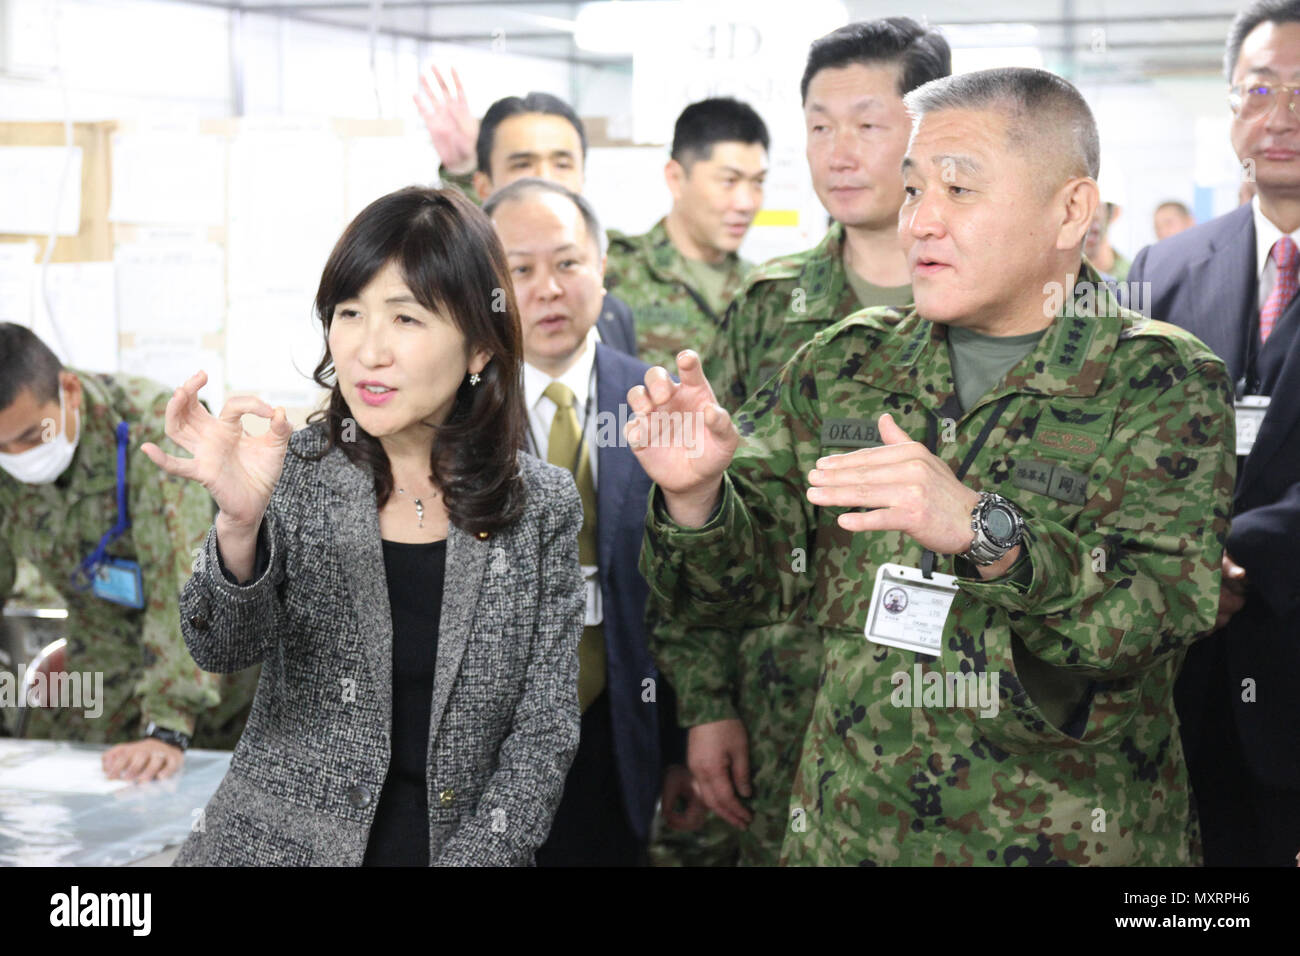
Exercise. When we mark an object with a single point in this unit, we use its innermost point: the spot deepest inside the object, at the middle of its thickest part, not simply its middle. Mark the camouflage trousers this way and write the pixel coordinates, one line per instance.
(778, 671)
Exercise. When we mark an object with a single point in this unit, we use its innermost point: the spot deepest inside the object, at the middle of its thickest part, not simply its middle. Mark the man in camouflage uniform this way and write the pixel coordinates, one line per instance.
(768, 690)
(152, 689)
(1108, 437)
(680, 276)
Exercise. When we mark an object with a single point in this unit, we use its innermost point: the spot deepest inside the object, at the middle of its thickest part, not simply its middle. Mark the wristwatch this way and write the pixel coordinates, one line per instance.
(998, 528)
(173, 737)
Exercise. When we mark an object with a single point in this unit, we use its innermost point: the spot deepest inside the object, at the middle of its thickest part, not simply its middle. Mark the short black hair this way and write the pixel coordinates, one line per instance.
(510, 106)
(720, 119)
(1039, 106)
(1175, 204)
(921, 52)
(26, 362)
(522, 189)
(1261, 11)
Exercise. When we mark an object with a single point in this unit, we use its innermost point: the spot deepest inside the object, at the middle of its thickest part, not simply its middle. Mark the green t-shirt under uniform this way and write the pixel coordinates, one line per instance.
(709, 281)
(980, 361)
(872, 295)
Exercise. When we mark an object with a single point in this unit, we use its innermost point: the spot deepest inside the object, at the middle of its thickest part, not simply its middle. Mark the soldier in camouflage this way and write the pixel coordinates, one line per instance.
(767, 692)
(58, 497)
(1073, 611)
(680, 276)
(537, 136)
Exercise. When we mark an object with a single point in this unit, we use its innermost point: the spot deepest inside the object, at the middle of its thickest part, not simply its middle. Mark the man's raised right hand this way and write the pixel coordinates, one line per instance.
(452, 127)
(682, 437)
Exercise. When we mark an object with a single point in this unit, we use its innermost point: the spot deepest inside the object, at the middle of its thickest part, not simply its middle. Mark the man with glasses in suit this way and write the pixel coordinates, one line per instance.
(1232, 282)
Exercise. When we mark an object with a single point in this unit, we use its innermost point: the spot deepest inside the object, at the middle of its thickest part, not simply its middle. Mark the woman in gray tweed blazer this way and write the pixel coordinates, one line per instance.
(325, 562)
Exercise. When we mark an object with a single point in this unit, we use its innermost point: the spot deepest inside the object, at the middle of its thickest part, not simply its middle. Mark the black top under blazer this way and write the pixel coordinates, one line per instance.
(306, 776)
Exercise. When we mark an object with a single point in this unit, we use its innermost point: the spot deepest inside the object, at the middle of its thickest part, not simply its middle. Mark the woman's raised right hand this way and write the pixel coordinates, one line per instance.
(239, 470)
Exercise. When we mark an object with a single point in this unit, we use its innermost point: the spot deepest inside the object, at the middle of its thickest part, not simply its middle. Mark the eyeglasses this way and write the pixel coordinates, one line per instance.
(1254, 100)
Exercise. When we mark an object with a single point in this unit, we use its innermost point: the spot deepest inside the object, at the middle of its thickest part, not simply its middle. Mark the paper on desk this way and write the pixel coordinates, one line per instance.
(60, 772)
(29, 210)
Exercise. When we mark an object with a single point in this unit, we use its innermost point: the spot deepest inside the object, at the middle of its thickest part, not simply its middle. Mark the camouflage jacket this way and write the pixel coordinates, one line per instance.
(148, 673)
(1117, 447)
(783, 303)
(649, 274)
(461, 182)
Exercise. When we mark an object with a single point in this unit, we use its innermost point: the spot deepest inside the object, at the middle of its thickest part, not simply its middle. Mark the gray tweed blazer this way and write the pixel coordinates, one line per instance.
(306, 776)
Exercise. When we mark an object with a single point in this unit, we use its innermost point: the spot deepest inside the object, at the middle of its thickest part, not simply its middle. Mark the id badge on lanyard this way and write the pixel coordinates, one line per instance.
(909, 610)
(117, 580)
(1250, 411)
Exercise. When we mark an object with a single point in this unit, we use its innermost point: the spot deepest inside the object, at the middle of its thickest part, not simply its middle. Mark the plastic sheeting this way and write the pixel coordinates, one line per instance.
(51, 814)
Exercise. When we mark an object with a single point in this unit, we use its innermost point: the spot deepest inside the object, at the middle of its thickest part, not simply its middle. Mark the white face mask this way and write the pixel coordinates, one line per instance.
(42, 464)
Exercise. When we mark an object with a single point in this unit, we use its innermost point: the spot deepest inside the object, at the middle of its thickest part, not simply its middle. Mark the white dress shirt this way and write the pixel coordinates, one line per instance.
(581, 380)
(1266, 234)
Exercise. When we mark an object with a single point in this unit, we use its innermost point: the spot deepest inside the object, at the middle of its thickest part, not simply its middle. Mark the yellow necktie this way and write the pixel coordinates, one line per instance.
(562, 449)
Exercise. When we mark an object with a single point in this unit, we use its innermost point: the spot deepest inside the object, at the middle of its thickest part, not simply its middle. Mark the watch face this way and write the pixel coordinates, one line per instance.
(999, 524)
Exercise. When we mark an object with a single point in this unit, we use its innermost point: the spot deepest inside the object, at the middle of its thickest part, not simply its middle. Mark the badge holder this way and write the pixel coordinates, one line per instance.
(908, 610)
(1250, 411)
(119, 581)
(595, 608)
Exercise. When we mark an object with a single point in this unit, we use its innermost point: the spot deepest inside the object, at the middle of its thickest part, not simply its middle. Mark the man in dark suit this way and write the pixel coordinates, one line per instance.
(1232, 282)
(576, 389)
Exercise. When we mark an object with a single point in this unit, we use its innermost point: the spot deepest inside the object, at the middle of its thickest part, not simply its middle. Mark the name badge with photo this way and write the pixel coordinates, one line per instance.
(595, 608)
(1251, 410)
(119, 581)
(908, 611)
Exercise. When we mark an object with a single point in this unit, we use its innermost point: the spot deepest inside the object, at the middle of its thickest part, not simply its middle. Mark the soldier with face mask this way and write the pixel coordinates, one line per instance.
(114, 540)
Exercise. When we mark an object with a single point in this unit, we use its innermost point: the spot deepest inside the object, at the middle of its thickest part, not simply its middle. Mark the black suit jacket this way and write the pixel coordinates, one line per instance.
(1204, 280)
(616, 326)
(646, 738)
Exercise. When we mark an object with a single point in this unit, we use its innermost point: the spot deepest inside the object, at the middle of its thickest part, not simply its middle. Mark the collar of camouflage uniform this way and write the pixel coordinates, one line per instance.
(668, 264)
(1071, 359)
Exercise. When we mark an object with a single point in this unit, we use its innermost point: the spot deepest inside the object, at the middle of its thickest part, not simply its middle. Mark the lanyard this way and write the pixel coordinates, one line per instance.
(81, 578)
(536, 446)
(1248, 384)
(931, 442)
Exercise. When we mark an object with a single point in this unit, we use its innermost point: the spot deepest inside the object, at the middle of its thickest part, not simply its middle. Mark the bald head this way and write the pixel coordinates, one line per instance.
(523, 190)
(1047, 120)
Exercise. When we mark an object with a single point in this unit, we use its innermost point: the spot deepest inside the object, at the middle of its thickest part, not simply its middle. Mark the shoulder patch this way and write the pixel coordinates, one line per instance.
(1189, 349)
(878, 317)
(774, 269)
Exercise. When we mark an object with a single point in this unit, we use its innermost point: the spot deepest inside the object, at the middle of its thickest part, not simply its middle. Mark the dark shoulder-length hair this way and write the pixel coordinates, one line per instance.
(451, 259)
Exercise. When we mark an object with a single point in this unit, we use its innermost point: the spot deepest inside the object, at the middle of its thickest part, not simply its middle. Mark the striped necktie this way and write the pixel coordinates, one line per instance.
(1285, 256)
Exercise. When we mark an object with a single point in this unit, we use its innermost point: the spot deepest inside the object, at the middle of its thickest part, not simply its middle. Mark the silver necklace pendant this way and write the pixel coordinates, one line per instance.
(419, 507)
